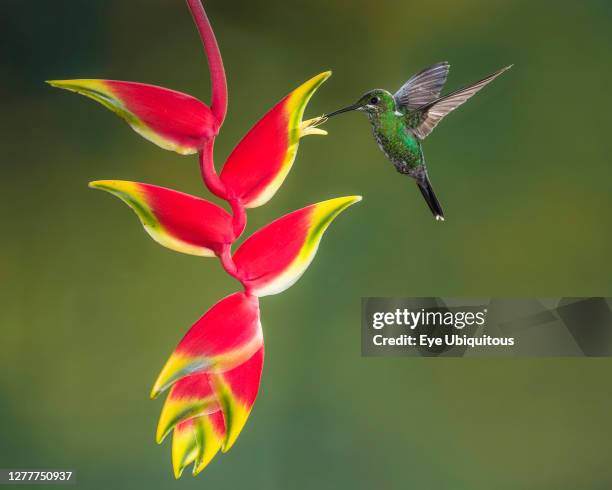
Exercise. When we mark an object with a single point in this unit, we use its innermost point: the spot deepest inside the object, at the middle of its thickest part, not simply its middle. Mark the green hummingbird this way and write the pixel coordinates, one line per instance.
(402, 120)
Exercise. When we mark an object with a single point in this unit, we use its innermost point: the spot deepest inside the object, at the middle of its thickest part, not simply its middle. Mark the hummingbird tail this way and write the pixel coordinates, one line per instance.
(430, 197)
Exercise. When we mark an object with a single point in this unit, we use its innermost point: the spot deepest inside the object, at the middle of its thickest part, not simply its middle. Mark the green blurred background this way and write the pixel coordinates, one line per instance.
(91, 307)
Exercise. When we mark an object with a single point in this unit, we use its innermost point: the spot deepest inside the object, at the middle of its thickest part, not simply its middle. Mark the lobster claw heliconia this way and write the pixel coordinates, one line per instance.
(213, 375)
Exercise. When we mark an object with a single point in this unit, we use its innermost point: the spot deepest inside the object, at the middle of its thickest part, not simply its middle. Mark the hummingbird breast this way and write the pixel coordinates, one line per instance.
(399, 145)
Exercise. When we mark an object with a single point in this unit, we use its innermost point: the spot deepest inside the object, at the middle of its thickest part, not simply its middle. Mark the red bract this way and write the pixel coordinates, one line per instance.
(260, 162)
(214, 372)
(227, 335)
(237, 390)
(274, 258)
(172, 120)
(176, 220)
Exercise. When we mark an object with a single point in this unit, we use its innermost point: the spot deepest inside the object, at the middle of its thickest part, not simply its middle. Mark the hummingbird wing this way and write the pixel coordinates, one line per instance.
(433, 112)
(422, 88)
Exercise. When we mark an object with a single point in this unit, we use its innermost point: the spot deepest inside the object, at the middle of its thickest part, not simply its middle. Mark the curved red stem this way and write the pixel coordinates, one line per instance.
(209, 174)
(216, 186)
(218, 104)
(239, 217)
(238, 224)
(228, 263)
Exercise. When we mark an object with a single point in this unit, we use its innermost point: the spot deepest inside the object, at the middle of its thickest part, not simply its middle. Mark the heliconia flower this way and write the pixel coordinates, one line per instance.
(226, 336)
(193, 407)
(176, 220)
(214, 373)
(170, 119)
(273, 258)
(197, 440)
(258, 165)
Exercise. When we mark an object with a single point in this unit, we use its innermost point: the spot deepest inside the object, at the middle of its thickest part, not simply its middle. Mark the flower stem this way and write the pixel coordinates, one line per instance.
(218, 82)
(209, 174)
(228, 263)
(239, 217)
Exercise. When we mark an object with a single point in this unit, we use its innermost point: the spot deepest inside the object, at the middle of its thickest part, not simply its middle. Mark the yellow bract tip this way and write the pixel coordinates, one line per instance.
(184, 449)
(56, 83)
(338, 203)
(127, 191)
(176, 367)
(111, 185)
(90, 87)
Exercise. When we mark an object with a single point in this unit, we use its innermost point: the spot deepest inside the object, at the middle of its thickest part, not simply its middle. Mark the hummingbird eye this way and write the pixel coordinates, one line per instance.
(374, 100)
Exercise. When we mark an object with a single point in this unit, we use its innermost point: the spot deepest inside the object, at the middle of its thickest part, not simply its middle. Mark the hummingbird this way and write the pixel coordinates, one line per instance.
(401, 121)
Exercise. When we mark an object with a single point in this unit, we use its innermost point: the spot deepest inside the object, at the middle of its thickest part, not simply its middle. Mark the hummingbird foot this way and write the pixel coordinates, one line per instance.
(310, 126)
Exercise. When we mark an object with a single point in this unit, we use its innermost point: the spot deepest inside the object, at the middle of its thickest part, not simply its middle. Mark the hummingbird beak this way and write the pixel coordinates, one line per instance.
(353, 107)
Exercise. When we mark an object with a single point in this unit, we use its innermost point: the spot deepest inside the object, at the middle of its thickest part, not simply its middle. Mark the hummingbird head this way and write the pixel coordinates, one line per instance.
(373, 102)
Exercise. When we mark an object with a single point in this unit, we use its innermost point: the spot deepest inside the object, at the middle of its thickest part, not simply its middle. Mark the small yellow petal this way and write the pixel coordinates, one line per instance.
(310, 126)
